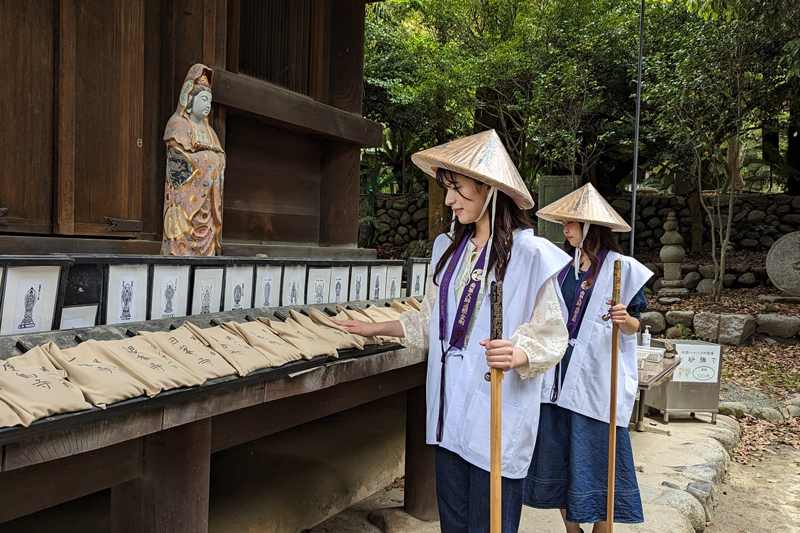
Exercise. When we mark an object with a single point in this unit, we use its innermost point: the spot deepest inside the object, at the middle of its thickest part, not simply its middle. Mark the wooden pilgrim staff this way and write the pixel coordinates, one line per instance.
(612, 426)
(496, 378)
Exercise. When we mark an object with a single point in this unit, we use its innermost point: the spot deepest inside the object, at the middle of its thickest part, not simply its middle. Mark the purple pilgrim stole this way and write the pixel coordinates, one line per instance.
(466, 308)
(577, 310)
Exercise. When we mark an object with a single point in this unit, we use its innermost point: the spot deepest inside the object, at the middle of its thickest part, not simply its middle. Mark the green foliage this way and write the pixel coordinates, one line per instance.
(556, 79)
(685, 332)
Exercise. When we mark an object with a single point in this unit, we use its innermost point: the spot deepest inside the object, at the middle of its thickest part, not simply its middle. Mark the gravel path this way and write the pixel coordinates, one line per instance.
(731, 392)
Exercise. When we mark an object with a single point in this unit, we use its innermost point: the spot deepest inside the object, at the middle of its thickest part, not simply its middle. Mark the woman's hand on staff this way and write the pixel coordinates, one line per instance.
(619, 315)
(501, 354)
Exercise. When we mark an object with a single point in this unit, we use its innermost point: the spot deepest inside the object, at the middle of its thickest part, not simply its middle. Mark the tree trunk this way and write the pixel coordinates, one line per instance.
(793, 148)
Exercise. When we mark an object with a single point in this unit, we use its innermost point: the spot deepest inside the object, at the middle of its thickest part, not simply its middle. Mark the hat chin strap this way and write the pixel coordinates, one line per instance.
(578, 250)
(493, 197)
(492, 194)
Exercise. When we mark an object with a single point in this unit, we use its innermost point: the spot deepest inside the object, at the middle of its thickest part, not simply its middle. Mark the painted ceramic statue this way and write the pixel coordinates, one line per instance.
(195, 172)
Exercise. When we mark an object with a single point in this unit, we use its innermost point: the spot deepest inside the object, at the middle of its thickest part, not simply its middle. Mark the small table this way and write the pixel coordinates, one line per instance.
(653, 375)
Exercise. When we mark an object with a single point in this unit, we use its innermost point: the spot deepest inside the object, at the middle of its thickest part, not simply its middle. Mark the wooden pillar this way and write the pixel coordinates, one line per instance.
(338, 206)
(172, 494)
(420, 494)
(438, 214)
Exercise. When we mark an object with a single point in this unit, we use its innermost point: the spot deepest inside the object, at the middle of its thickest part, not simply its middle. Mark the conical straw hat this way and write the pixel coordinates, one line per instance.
(480, 157)
(584, 205)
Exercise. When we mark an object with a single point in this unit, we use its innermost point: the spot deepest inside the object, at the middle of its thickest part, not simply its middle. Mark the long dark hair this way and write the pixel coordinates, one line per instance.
(509, 217)
(597, 238)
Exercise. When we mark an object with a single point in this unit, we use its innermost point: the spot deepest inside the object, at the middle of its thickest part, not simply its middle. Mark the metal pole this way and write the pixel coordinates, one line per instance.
(636, 133)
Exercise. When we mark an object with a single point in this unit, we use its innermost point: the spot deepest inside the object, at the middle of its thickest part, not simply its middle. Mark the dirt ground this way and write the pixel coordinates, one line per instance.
(762, 497)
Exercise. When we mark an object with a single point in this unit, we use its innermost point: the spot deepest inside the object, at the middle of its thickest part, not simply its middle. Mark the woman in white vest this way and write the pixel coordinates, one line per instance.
(569, 470)
(483, 187)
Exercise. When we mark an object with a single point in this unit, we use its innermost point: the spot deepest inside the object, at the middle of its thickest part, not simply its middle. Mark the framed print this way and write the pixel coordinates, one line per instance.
(268, 284)
(377, 282)
(394, 281)
(238, 287)
(126, 296)
(340, 283)
(319, 282)
(207, 290)
(169, 293)
(78, 316)
(417, 280)
(29, 299)
(359, 282)
(294, 283)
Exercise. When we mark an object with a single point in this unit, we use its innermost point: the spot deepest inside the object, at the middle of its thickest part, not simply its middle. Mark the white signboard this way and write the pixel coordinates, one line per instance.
(700, 363)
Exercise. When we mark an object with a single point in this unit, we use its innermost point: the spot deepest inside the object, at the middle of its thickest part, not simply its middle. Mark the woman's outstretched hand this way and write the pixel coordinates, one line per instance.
(501, 354)
(358, 327)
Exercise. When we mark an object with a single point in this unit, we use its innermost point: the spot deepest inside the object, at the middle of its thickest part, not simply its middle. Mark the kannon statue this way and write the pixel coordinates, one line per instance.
(195, 172)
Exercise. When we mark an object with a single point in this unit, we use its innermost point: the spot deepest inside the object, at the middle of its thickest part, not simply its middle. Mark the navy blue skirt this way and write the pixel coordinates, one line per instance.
(570, 469)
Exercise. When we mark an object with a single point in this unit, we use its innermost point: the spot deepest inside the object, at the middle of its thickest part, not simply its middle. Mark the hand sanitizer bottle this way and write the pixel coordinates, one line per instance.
(646, 337)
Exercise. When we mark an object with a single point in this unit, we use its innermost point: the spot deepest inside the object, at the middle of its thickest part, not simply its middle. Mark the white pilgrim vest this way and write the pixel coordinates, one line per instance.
(587, 383)
(467, 398)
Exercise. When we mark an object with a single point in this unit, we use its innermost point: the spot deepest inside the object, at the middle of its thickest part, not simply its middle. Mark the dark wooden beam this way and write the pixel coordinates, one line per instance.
(64, 216)
(291, 109)
(420, 487)
(172, 492)
(245, 425)
(38, 487)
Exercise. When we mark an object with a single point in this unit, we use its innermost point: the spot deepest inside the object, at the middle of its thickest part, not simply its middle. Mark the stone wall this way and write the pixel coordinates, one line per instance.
(758, 219)
(401, 219)
(700, 278)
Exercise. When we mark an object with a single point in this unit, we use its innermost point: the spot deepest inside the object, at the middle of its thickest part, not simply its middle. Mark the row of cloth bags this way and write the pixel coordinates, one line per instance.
(309, 344)
(234, 348)
(190, 350)
(275, 349)
(31, 387)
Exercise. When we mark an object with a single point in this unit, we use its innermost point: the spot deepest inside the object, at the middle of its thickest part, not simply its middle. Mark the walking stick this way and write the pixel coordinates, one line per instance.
(495, 472)
(612, 426)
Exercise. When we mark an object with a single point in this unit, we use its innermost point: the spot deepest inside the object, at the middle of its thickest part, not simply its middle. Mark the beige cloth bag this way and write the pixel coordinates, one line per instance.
(240, 355)
(401, 307)
(32, 387)
(318, 317)
(310, 345)
(414, 304)
(187, 350)
(8, 417)
(349, 314)
(146, 363)
(337, 336)
(377, 315)
(259, 336)
(102, 381)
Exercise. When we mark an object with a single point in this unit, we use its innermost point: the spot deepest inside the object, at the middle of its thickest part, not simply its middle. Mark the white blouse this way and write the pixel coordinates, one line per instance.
(544, 338)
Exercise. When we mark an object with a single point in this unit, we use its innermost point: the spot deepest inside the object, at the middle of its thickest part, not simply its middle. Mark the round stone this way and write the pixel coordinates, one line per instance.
(783, 263)
(672, 253)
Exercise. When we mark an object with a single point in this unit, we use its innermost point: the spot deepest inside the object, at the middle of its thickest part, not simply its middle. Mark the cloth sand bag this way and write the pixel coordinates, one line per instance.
(338, 337)
(8, 417)
(240, 355)
(322, 319)
(401, 307)
(310, 345)
(34, 388)
(187, 350)
(259, 336)
(376, 314)
(88, 367)
(349, 314)
(414, 304)
(148, 364)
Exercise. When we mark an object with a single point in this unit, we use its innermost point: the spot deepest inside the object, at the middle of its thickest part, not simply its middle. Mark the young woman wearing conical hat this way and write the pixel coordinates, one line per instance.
(487, 197)
(570, 461)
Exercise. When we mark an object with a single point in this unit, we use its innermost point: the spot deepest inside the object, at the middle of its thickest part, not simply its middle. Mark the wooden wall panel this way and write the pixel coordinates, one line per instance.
(346, 89)
(27, 64)
(272, 183)
(338, 218)
(108, 102)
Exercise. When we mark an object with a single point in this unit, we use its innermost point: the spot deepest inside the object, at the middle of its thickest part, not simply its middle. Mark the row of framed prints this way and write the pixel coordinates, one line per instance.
(41, 293)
